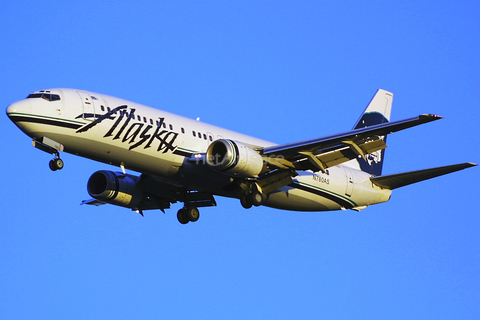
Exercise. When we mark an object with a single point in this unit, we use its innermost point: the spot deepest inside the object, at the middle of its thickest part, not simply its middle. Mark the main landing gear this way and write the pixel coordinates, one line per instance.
(255, 197)
(192, 201)
(187, 214)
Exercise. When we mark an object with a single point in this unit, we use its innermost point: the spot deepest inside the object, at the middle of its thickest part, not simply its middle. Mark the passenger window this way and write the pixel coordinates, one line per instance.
(171, 127)
(183, 130)
(102, 107)
(144, 119)
(164, 125)
(139, 118)
(200, 135)
(194, 133)
(151, 121)
(204, 136)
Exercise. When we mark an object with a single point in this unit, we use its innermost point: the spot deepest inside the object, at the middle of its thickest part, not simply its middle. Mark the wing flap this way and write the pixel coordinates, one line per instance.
(358, 136)
(395, 181)
(345, 154)
(321, 153)
(330, 158)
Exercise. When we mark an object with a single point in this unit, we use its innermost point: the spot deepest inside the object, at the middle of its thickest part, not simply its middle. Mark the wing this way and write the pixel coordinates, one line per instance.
(321, 153)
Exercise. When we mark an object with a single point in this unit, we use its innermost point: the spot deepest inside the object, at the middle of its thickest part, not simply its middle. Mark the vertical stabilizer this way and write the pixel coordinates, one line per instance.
(378, 111)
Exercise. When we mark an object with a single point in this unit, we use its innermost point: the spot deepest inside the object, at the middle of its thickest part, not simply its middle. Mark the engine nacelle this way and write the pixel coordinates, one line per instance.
(115, 188)
(234, 158)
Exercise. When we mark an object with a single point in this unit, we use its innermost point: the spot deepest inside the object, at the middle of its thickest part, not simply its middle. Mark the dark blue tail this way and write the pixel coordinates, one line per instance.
(377, 112)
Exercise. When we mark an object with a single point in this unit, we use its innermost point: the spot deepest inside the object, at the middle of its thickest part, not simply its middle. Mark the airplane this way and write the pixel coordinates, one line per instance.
(185, 160)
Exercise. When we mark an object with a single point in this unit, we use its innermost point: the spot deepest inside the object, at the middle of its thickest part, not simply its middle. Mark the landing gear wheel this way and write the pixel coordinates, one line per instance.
(56, 164)
(52, 166)
(246, 201)
(192, 213)
(182, 217)
(257, 198)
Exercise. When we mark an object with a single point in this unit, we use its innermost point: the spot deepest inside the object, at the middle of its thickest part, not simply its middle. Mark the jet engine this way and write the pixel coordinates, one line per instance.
(115, 188)
(234, 158)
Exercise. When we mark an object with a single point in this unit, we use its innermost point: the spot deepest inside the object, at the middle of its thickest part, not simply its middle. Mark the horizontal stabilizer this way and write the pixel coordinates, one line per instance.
(394, 181)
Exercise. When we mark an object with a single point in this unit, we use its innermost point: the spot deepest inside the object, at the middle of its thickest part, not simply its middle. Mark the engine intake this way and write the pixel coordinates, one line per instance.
(115, 188)
(234, 158)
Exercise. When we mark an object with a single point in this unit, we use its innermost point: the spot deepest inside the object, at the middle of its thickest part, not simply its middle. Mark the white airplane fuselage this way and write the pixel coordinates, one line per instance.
(162, 144)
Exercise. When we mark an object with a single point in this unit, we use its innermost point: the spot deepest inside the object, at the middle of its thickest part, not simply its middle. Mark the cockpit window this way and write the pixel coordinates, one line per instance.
(35, 95)
(46, 96)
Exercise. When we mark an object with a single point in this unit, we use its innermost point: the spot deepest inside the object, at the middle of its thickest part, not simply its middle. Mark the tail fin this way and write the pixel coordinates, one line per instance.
(377, 112)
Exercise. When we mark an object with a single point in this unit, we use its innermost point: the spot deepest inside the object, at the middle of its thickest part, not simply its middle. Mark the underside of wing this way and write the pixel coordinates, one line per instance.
(321, 153)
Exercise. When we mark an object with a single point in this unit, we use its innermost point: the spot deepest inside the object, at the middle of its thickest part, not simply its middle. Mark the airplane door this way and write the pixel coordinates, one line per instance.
(88, 106)
(350, 181)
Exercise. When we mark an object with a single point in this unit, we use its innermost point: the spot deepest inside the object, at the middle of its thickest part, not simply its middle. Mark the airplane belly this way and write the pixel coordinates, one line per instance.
(297, 200)
(314, 192)
(336, 189)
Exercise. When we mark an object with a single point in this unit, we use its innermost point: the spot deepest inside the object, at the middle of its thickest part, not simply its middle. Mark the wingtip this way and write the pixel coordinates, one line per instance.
(431, 116)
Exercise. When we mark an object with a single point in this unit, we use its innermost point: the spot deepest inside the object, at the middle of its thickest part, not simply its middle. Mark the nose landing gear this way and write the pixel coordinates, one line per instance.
(56, 164)
(52, 147)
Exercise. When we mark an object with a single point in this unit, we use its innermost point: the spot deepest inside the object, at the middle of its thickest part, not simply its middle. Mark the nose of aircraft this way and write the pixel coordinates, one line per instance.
(18, 109)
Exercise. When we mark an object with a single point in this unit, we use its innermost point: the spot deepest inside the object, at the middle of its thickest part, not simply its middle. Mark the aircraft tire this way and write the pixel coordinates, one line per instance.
(59, 163)
(56, 164)
(52, 166)
(182, 217)
(257, 198)
(246, 201)
(192, 214)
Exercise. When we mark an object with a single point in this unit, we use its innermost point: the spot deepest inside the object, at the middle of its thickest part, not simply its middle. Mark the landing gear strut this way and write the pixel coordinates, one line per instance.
(187, 214)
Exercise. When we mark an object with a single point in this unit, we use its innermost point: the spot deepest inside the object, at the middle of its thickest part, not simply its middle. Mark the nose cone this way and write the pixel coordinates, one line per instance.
(19, 109)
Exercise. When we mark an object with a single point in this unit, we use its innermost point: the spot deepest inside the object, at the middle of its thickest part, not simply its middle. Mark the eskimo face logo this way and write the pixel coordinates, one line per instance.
(374, 157)
(132, 132)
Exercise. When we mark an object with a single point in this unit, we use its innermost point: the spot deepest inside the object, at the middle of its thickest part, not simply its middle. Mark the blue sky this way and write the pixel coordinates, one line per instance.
(279, 70)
